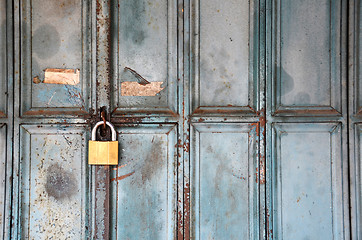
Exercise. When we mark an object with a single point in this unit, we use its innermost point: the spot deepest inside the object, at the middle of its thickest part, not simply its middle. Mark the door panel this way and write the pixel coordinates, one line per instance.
(224, 174)
(357, 52)
(355, 116)
(53, 100)
(225, 56)
(146, 80)
(357, 165)
(3, 146)
(3, 60)
(307, 55)
(307, 165)
(307, 181)
(144, 185)
(54, 173)
(55, 41)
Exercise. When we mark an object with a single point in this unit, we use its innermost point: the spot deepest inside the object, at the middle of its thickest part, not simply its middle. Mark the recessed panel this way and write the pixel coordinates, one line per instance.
(3, 59)
(358, 53)
(143, 185)
(224, 183)
(224, 48)
(3, 153)
(307, 181)
(307, 74)
(357, 174)
(56, 57)
(147, 45)
(53, 182)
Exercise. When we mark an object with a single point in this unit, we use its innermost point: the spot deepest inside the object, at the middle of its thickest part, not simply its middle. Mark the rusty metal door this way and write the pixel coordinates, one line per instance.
(235, 119)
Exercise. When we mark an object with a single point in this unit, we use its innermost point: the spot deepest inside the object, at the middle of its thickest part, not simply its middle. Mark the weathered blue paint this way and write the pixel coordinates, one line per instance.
(307, 181)
(51, 196)
(3, 57)
(144, 184)
(55, 35)
(3, 111)
(355, 116)
(225, 181)
(3, 181)
(245, 82)
(53, 179)
(307, 160)
(147, 43)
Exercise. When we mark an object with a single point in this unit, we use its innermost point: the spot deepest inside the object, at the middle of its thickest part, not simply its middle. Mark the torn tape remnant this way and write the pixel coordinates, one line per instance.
(61, 76)
(137, 89)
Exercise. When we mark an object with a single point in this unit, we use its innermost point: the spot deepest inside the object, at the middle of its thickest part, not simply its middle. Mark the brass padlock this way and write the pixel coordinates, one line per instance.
(103, 152)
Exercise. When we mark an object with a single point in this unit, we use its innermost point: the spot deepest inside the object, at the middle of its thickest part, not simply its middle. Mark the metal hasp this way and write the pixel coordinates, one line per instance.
(103, 152)
(103, 76)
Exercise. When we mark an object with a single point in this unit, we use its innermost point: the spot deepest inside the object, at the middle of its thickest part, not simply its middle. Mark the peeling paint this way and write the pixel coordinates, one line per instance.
(140, 79)
(61, 76)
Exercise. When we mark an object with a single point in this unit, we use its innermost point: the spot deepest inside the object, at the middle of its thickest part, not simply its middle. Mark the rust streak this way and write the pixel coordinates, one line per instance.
(122, 177)
(187, 211)
(121, 166)
(262, 169)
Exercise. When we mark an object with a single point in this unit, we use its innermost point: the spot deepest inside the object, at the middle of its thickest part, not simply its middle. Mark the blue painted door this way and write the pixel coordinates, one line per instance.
(235, 119)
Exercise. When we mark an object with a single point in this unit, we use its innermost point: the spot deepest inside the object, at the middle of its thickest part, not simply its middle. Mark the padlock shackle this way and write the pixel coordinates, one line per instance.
(94, 130)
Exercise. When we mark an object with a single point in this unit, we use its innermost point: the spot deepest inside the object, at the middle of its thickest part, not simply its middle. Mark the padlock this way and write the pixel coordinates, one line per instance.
(103, 152)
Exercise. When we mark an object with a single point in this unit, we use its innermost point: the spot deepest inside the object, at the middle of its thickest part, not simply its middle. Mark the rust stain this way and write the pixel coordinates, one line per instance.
(238, 177)
(139, 89)
(186, 146)
(36, 80)
(260, 125)
(180, 232)
(269, 231)
(121, 166)
(307, 112)
(262, 169)
(122, 177)
(179, 144)
(187, 211)
(61, 76)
